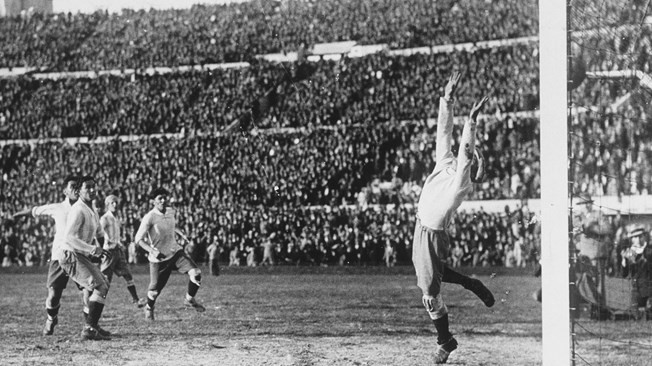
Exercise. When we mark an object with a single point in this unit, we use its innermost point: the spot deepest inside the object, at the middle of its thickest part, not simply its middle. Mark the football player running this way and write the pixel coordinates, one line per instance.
(156, 235)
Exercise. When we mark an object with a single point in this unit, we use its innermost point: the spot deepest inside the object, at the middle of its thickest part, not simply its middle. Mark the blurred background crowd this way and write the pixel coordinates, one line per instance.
(327, 158)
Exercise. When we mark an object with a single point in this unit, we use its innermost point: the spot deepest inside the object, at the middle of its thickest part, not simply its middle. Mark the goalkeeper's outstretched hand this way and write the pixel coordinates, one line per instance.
(477, 107)
(451, 86)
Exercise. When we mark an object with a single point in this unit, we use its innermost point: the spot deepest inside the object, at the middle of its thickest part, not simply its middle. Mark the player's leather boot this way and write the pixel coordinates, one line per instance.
(444, 350)
(139, 303)
(149, 313)
(49, 325)
(192, 303)
(102, 331)
(91, 334)
(480, 290)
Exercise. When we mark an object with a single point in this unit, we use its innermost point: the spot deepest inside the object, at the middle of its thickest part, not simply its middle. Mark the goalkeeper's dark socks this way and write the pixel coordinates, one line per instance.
(94, 313)
(442, 327)
(150, 303)
(451, 276)
(85, 314)
(52, 312)
(132, 291)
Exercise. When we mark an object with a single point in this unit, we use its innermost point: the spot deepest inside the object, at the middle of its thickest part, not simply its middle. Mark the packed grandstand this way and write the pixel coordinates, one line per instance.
(327, 155)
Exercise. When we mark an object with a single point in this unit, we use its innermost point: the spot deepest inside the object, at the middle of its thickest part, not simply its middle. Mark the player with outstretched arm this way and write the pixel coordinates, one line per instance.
(443, 192)
(57, 278)
(158, 226)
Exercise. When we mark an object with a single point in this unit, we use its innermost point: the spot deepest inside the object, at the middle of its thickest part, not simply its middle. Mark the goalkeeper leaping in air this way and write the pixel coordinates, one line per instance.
(444, 190)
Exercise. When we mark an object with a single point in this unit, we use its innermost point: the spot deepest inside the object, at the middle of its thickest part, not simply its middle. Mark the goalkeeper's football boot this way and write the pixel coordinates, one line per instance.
(481, 291)
(49, 325)
(192, 303)
(444, 350)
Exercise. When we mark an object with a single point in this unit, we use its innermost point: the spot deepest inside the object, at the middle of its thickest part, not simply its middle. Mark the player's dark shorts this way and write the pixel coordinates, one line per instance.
(117, 264)
(429, 251)
(57, 277)
(81, 270)
(159, 272)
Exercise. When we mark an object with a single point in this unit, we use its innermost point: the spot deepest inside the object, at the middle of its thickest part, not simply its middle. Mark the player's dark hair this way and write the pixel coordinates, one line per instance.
(70, 178)
(83, 179)
(159, 192)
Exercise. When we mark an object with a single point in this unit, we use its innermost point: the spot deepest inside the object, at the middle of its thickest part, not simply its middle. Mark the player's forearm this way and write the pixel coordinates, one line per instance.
(143, 244)
(467, 142)
(25, 212)
(81, 246)
(444, 126)
(181, 234)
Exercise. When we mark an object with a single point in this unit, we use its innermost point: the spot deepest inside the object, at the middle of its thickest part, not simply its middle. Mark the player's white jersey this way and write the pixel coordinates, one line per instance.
(450, 182)
(59, 213)
(159, 229)
(444, 191)
(82, 227)
(111, 227)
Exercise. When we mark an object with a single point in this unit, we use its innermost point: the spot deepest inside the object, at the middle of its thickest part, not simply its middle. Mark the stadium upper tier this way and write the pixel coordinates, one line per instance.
(374, 88)
(238, 32)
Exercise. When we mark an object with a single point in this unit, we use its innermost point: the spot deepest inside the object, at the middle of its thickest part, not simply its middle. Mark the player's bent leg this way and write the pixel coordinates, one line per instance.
(474, 285)
(92, 330)
(194, 283)
(131, 287)
(97, 287)
(56, 283)
(52, 305)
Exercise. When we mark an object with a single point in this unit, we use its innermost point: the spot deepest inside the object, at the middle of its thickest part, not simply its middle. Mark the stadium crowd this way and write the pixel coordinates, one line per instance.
(239, 31)
(338, 187)
(611, 143)
(376, 88)
(362, 165)
(339, 235)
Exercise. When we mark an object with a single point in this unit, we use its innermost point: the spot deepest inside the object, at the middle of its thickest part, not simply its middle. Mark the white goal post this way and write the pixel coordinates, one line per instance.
(554, 183)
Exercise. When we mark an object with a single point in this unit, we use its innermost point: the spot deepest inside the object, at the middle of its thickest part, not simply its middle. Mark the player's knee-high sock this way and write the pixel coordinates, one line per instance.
(94, 313)
(451, 276)
(132, 291)
(192, 289)
(151, 299)
(52, 303)
(52, 311)
(443, 332)
(131, 287)
(474, 285)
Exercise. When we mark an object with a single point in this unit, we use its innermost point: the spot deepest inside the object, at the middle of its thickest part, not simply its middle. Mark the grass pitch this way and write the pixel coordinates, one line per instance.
(282, 316)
